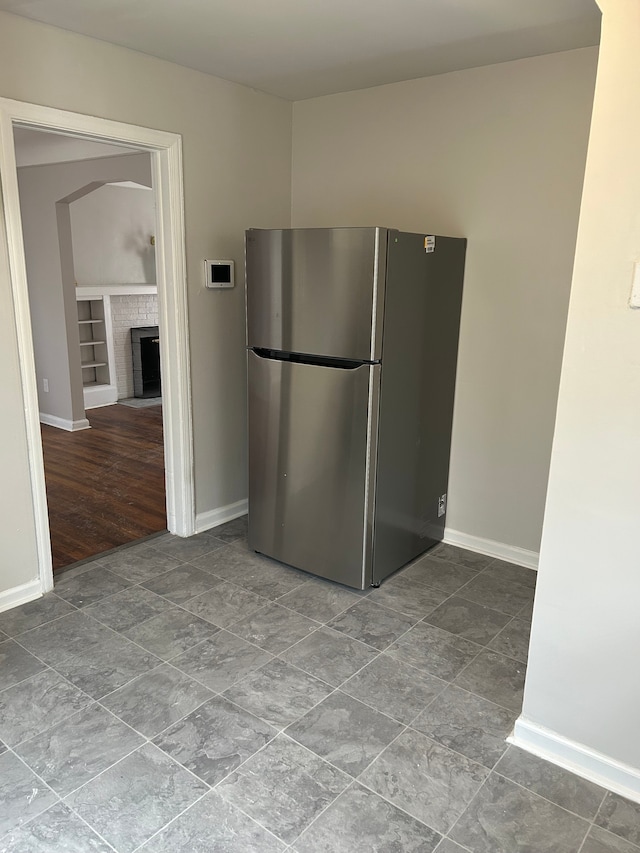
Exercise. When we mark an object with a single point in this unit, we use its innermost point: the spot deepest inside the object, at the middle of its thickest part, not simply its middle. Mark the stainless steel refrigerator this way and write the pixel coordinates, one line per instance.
(352, 346)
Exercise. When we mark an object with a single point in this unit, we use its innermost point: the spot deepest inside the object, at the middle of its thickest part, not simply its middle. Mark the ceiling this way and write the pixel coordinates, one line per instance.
(302, 48)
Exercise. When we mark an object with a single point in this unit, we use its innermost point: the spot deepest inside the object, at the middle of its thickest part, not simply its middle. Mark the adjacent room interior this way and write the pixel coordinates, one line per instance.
(88, 222)
(187, 692)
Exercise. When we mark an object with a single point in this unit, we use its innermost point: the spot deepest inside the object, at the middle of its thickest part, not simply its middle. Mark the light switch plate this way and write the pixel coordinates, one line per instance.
(634, 299)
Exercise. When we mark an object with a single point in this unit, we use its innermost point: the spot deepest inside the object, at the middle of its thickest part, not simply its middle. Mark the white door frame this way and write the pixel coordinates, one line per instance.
(166, 163)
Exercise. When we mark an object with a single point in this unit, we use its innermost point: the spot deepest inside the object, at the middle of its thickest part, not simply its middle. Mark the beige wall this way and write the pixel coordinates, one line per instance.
(495, 154)
(18, 555)
(582, 681)
(111, 230)
(237, 145)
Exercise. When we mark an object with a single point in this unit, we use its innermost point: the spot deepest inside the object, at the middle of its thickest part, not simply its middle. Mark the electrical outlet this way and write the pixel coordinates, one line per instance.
(45, 385)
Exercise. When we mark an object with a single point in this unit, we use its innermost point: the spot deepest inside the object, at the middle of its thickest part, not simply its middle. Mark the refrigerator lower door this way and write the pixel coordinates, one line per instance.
(310, 468)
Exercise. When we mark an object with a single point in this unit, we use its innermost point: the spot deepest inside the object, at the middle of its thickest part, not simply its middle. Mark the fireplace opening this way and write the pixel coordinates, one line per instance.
(145, 346)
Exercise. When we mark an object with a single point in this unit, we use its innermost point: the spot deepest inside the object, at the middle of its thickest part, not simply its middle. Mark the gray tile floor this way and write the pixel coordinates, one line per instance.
(184, 696)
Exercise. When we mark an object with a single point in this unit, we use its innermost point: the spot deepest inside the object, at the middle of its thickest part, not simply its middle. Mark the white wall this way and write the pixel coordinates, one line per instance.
(495, 154)
(237, 159)
(583, 680)
(52, 299)
(111, 230)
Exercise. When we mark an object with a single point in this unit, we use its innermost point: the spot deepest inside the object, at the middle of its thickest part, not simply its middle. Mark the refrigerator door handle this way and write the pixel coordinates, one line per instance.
(305, 358)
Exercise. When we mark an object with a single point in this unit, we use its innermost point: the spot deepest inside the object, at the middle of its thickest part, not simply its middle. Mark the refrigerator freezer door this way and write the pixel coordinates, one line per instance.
(310, 478)
(317, 290)
(422, 321)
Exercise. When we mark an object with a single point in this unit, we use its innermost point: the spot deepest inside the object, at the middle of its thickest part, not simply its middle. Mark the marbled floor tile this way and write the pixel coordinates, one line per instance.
(330, 656)
(393, 687)
(102, 669)
(22, 795)
(346, 732)
(372, 624)
(439, 574)
(448, 846)
(157, 699)
(189, 548)
(425, 779)
(58, 641)
(171, 633)
(58, 829)
(461, 556)
(3, 747)
(225, 604)
(509, 598)
(513, 640)
(69, 754)
(434, 650)
(221, 661)
(505, 818)
(89, 587)
(527, 612)
(496, 678)
(601, 841)
(552, 782)
(130, 802)
(214, 739)
(510, 573)
(269, 579)
(16, 664)
(274, 628)
(359, 821)
(468, 620)
(140, 564)
(404, 595)
(467, 724)
(213, 824)
(318, 599)
(252, 571)
(182, 583)
(128, 608)
(225, 562)
(278, 693)
(33, 614)
(284, 787)
(231, 530)
(621, 817)
(34, 705)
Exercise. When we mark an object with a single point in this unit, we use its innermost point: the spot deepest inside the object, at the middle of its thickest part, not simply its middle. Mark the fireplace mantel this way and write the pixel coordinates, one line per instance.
(89, 290)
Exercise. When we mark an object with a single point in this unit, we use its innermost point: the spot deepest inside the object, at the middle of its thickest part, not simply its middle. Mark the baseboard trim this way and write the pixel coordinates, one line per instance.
(216, 517)
(20, 594)
(63, 423)
(578, 758)
(491, 548)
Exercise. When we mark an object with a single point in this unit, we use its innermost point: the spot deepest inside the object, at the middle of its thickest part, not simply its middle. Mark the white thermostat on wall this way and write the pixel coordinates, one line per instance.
(219, 274)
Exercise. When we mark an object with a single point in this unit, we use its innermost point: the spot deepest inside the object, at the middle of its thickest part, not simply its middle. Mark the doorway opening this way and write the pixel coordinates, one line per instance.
(168, 427)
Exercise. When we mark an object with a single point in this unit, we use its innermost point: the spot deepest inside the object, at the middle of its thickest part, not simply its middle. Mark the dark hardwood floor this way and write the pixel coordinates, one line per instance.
(105, 485)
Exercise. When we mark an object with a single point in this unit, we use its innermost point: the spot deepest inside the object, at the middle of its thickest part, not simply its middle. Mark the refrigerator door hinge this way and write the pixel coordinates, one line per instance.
(442, 505)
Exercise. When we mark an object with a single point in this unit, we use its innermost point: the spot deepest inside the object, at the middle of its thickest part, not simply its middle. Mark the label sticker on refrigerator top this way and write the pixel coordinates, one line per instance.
(430, 244)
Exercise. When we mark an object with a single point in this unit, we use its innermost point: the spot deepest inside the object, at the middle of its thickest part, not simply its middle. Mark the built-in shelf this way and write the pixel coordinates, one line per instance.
(96, 359)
